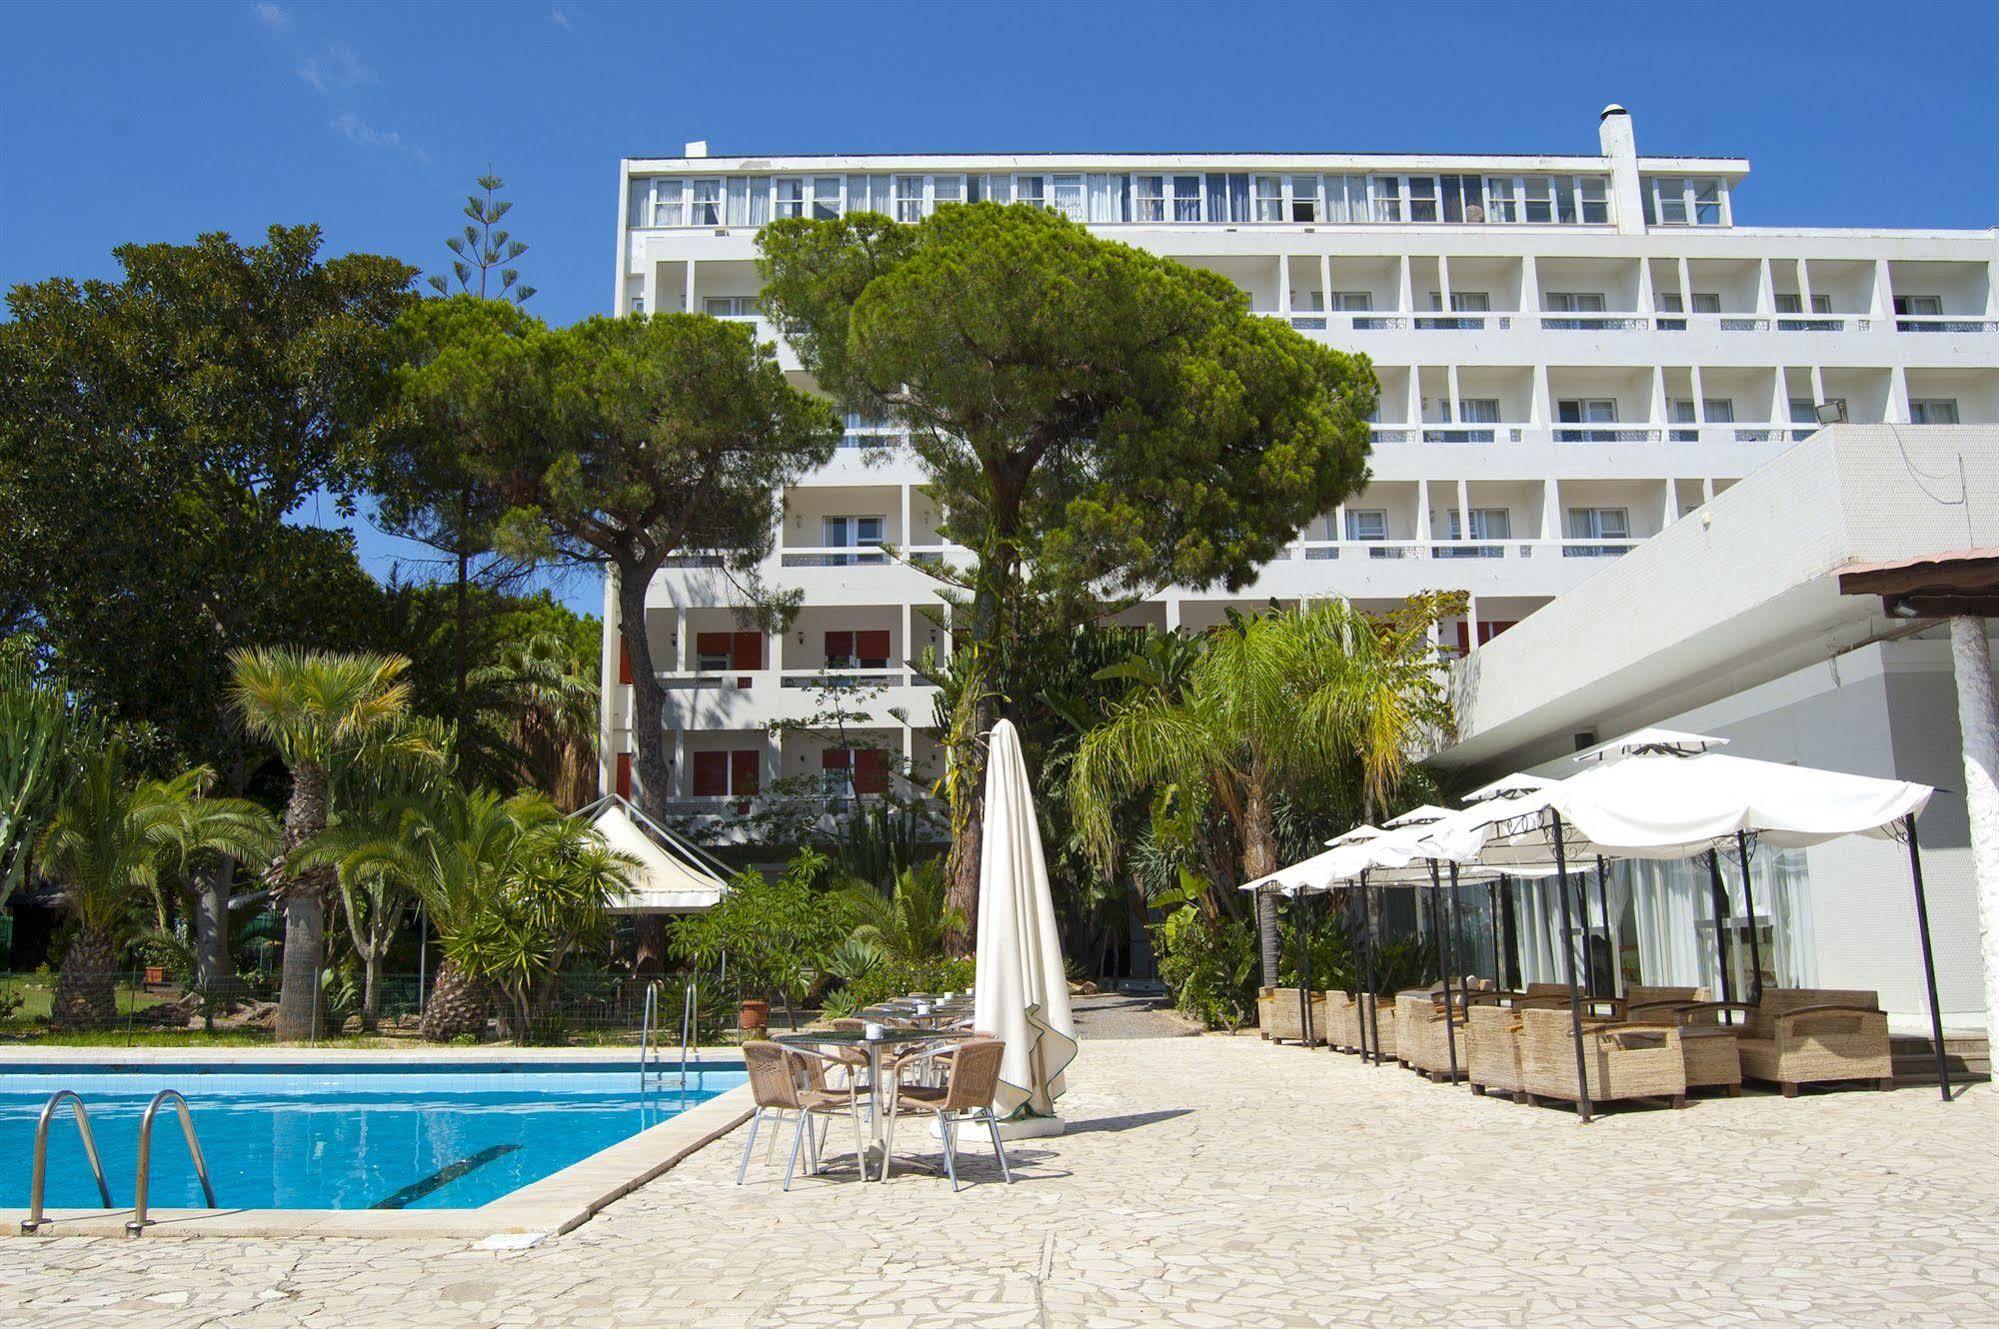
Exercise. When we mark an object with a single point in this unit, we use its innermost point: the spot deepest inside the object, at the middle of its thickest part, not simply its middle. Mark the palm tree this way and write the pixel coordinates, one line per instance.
(194, 856)
(44, 736)
(1274, 701)
(318, 709)
(101, 847)
(912, 922)
(541, 698)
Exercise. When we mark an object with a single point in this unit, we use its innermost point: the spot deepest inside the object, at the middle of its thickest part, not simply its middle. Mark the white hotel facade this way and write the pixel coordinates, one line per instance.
(1574, 353)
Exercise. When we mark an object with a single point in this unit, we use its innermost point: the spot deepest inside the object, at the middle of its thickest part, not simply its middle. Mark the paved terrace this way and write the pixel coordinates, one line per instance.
(1206, 1182)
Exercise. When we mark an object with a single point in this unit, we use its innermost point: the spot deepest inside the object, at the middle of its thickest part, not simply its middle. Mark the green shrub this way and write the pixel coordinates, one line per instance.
(1209, 965)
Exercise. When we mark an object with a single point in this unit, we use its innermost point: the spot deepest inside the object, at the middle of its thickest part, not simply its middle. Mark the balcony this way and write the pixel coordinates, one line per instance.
(1596, 547)
(1944, 323)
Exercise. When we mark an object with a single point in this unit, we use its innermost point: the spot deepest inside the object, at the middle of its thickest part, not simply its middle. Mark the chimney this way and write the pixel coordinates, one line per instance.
(1620, 146)
(699, 148)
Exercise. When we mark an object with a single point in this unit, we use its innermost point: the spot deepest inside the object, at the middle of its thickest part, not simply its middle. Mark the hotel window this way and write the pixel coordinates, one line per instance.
(1537, 203)
(856, 770)
(1304, 197)
(669, 203)
(1919, 306)
(1422, 198)
(1578, 302)
(790, 196)
(857, 650)
(1486, 524)
(726, 774)
(1353, 302)
(1269, 198)
(853, 533)
(1069, 197)
(1031, 190)
(1592, 200)
(1367, 523)
(1933, 410)
(707, 203)
(1186, 198)
(1346, 199)
(748, 201)
(1385, 197)
(826, 200)
(722, 652)
(946, 189)
(1500, 202)
(1674, 200)
(731, 306)
(988, 189)
(1789, 302)
(1718, 410)
(1464, 198)
(1707, 202)
(1586, 411)
(1109, 198)
(1149, 198)
(1464, 302)
(1707, 302)
(1599, 524)
(909, 198)
(1228, 196)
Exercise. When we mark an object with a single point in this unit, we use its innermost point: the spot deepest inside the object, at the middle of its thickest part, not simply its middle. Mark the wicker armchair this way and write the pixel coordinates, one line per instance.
(1266, 1002)
(1424, 1040)
(970, 1079)
(1381, 1024)
(1622, 1060)
(1492, 1045)
(1706, 1039)
(1341, 1029)
(1799, 1036)
(1284, 1023)
(785, 1079)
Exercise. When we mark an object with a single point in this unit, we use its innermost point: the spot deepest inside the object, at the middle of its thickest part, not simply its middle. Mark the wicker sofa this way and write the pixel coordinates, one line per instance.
(1622, 1060)
(1281, 1014)
(1707, 1041)
(1492, 1046)
(1424, 1041)
(1799, 1036)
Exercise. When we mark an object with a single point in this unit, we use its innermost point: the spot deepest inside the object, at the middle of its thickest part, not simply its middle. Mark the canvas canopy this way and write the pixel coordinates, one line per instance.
(671, 877)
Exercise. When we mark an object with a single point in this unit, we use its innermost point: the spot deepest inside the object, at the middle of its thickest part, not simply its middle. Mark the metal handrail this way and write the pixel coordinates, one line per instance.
(690, 1013)
(41, 1174)
(648, 1030)
(138, 1221)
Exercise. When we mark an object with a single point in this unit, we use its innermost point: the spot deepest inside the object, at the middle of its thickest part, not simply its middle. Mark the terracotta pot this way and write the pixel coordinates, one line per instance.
(753, 1015)
(155, 975)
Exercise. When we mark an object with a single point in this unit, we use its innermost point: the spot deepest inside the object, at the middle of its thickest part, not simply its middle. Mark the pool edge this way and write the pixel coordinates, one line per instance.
(558, 1203)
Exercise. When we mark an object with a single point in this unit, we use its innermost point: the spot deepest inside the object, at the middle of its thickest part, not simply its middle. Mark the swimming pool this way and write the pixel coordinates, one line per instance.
(336, 1135)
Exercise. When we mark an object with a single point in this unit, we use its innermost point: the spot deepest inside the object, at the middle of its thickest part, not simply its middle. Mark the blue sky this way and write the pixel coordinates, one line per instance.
(159, 121)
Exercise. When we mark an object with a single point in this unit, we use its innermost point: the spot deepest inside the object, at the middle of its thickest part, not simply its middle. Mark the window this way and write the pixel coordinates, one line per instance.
(853, 533)
(707, 203)
(734, 773)
(1385, 197)
(1069, 196)
(1422, 198)
(818, 197)
(1717, 410)
(1500, 202)
(1537, 198)
(1478, 410)
(1367, 523)
(1269, 198)
(909, 198)
(790, 197)
(1574, 302)
(1582, 411)
(1031, 190)
(1109, 197)
(856, 770)
(1593, 203)
(1933, 410)
(1464, 198)
(1790, 302)
(1919, 306)
(1464, 302)
(946, 189)
(1486, 524)
(1353, 302)
(723, 652)
(1228, 196)
(1186, 198)
(731, 306)
(1149, 198)
(1707, 202)
(1593, 524)
(1347, 199)
(1707, 302)
(1304, 198)
(1674, 200)
(866, 649)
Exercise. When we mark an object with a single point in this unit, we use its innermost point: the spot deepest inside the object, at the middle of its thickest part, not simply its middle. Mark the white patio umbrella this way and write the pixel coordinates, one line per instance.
(1661, 794)
(1020, 992)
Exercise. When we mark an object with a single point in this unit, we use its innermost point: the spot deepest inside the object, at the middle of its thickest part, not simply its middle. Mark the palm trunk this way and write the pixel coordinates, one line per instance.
(371, 987)
(978, 712)
(86, 993)
(304, 898)
(212, 969)
(648, 697)
(1259, 859)
(456, 1006)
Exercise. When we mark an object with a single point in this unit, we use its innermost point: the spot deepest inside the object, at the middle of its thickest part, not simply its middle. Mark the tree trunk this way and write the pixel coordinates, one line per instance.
(210, 916)
(86, 995)
(983, 686)
(304, 898)
(649, 945)
(456, 1006)
(1259, 859)
(648, 697)
(462, 610)
(371, 987)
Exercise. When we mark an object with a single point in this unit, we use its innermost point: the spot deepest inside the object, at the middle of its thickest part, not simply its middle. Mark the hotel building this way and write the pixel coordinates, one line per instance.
(1575, 352)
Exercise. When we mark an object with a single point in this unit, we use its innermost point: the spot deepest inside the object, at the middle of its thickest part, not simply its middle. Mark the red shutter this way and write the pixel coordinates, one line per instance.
(624, 659)
(839, 646)
(711, 773)
(624, 776)
(836, 759)
(1464, 637)
(872, 648)
(870, 771)
(745, 771)
(748, 650)
(1487, 631)
(711, 644)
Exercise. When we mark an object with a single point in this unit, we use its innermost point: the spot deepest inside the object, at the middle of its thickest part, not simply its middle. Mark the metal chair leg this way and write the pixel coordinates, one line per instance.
(860, 1136)
(992, 1124)
(950, 1140)
(888, 1136)
(749, 1148)
(811, 1142)
(777, 1128)
(797, 1139)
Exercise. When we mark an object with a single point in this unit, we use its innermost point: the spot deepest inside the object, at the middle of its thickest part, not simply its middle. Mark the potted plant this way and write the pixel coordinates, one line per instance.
(775, 935)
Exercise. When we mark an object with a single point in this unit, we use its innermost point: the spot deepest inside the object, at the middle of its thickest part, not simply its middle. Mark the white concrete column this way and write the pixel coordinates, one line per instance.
(651, 287)
(1882, 307)
(1552, 526)
(1541, 410)
(1766, 291)
(1451, 388)
(1669, 511)
(1647, 301)
(1326, 285)
(688, 298)
(1620, 147)
(1978, 722)
(610, 693)
(1530, 286)
(1284, 286)
(908, 530)
(1464, 509)
(1695, 386)
(1423, 531)
(1471, 620)
(909, 651)
(1686, 285)
(679, 783)
(1172, 613)
(1405, 298)
(1805, 286)
(1339, 531)
(1444, 304)
(1898, 396)
(1818, 386)
(1780, 397)
(1659, 412)
(1707, 489)
(1415, 402)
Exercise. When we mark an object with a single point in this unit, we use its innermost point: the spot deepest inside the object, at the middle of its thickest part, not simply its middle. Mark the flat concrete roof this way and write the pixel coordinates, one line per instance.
(1740, 592)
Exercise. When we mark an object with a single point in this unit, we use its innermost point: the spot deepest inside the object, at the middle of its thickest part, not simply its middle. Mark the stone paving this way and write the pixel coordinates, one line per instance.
(1129, 1015)
(1204, 1183)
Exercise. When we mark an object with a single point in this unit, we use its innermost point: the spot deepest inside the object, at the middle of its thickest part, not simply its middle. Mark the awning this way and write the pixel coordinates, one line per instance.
(672, 876)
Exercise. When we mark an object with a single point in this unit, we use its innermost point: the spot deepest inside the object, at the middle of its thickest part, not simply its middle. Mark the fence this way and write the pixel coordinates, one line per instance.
(595, 1006)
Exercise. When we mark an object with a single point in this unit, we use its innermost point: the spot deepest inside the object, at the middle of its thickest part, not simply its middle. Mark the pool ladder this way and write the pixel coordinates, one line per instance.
(142, 1183)
(690, 1012)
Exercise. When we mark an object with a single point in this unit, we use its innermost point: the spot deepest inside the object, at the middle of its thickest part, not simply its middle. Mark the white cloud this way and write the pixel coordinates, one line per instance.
(561, 18)
(356, 130)
(272, 17)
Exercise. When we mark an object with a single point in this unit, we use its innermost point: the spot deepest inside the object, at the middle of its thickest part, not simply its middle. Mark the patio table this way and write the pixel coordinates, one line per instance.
(874, 1047)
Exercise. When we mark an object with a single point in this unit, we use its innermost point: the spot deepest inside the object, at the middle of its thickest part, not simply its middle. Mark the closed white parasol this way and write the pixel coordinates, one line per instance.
(1022, 994)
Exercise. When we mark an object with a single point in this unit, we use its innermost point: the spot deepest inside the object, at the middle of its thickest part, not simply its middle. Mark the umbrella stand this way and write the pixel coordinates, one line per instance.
(1603, 910)
(1720, 924)
(1569, 965)
(1443, 970)
(1373, 1013)
(1929, 960)
(1749, 908)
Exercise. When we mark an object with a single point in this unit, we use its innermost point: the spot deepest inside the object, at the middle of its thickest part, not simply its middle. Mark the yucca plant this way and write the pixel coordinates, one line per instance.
(44, 735)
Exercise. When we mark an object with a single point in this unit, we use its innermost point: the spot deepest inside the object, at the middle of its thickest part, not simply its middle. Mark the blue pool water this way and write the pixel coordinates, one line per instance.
(319, 1136)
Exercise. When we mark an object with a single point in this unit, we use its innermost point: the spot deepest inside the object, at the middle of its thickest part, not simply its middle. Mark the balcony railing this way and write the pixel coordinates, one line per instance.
(832, 556)
(1944, 323)
(1401, 550)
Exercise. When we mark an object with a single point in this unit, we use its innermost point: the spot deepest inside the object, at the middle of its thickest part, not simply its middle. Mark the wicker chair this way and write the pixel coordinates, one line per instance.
(785, 1079)
(1285, 1025)
(1492, 1045)
(1266, 1015)
(1380, 1024)
(970, 1079)
(1713, 1061)
(1622, 1060)
(1341, 1029)
(1424, 1041)
(1799, 1036)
